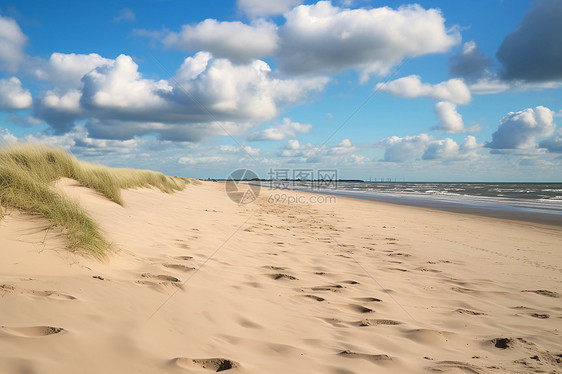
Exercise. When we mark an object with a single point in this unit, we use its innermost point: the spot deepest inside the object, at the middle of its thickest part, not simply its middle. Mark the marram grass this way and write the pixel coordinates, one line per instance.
(26, 175)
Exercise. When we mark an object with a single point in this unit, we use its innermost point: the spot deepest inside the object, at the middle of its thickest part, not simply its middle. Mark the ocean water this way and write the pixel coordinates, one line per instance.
(522, 197)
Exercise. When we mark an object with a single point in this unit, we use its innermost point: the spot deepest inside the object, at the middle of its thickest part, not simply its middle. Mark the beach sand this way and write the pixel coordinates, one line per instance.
(199, 284)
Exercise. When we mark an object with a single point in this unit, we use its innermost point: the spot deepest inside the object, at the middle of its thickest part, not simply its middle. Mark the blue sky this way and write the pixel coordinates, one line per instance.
(426, 91)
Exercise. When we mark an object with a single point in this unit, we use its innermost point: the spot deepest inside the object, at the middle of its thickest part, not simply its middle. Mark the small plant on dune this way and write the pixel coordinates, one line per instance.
(28, 170)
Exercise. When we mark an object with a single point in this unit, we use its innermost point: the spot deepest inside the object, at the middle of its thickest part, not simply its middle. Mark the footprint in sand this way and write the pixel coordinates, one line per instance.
(211, 364)
(332, 288)
(377, 322)
(179, 267)
(463, 367)
(369, 357)
(544, 293)
(55, 295)
(32, 331)
(161, 277)
(282, 276)
(278, 268)
(314, 297)
(159, 280)
(470, 312)
(359, 308)
(369, 299)
(183, 258)
(540, 315)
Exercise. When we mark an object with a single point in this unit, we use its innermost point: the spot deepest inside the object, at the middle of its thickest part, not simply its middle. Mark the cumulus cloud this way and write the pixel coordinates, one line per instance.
(554, 143)
(264, 8)
(407, 148)
(518, 130)
(325, 38)
(445, 149)
(532, 52)
(343, 147)
(12, 44)
(471, 64)
(201, 160)
(78, 140)
(241, 149)
(287, 129)
(453, 90)
(207, 96)
(341, 154)
(320, 39)
(236, 41)
(425, 147)
(65, 70)
(450, 120)
(13, 96)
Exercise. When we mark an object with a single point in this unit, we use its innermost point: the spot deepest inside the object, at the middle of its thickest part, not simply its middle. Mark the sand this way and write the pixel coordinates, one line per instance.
(198, 284)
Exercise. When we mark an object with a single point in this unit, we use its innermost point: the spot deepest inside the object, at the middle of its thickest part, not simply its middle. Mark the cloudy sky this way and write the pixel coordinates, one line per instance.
(427, 91)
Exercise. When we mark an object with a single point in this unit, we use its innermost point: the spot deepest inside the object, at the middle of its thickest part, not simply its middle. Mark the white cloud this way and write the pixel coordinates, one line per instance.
(450, 120)
(453, 90)
(340, 154)
(118, 85)
(344, 147)
(13, 96)
(125, 14)
(264, 8)
(206, 97)
(445, 149)
(233, 40)
(324, 38)
(244, 149)
(201, 160)
(66, 70)
(7, 138)
(518, 130)
(78, 140)
(287, 129)
(12, 44)
(425, 147)
(407, 148)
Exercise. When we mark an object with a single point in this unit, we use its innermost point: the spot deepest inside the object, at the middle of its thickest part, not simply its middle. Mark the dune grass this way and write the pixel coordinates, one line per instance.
(27, 172)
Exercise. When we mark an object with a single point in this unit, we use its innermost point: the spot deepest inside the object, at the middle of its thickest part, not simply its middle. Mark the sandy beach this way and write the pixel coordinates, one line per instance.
(196, 283)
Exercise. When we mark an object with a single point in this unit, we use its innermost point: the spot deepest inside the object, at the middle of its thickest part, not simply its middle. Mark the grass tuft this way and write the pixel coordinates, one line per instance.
(26, 175)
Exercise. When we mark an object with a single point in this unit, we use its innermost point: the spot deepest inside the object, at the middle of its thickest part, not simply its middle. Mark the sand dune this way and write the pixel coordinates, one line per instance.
(198, 284)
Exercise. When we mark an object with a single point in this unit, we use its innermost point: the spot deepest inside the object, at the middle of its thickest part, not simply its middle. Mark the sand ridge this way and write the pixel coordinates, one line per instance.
(197, 283)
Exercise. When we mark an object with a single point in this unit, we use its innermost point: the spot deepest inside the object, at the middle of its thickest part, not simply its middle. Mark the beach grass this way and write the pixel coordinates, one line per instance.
(27, 173)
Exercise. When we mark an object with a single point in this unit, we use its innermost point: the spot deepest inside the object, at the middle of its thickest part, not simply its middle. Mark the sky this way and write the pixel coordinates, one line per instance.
(426, 91)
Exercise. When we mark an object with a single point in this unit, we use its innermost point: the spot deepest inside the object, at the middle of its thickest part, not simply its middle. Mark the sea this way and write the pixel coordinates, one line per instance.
(541, 202)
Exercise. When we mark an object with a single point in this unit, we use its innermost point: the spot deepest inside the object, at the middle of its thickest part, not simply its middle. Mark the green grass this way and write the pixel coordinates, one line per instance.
(27, 173)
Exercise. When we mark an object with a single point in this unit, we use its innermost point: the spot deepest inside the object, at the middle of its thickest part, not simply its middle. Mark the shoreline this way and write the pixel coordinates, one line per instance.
(490, 210)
